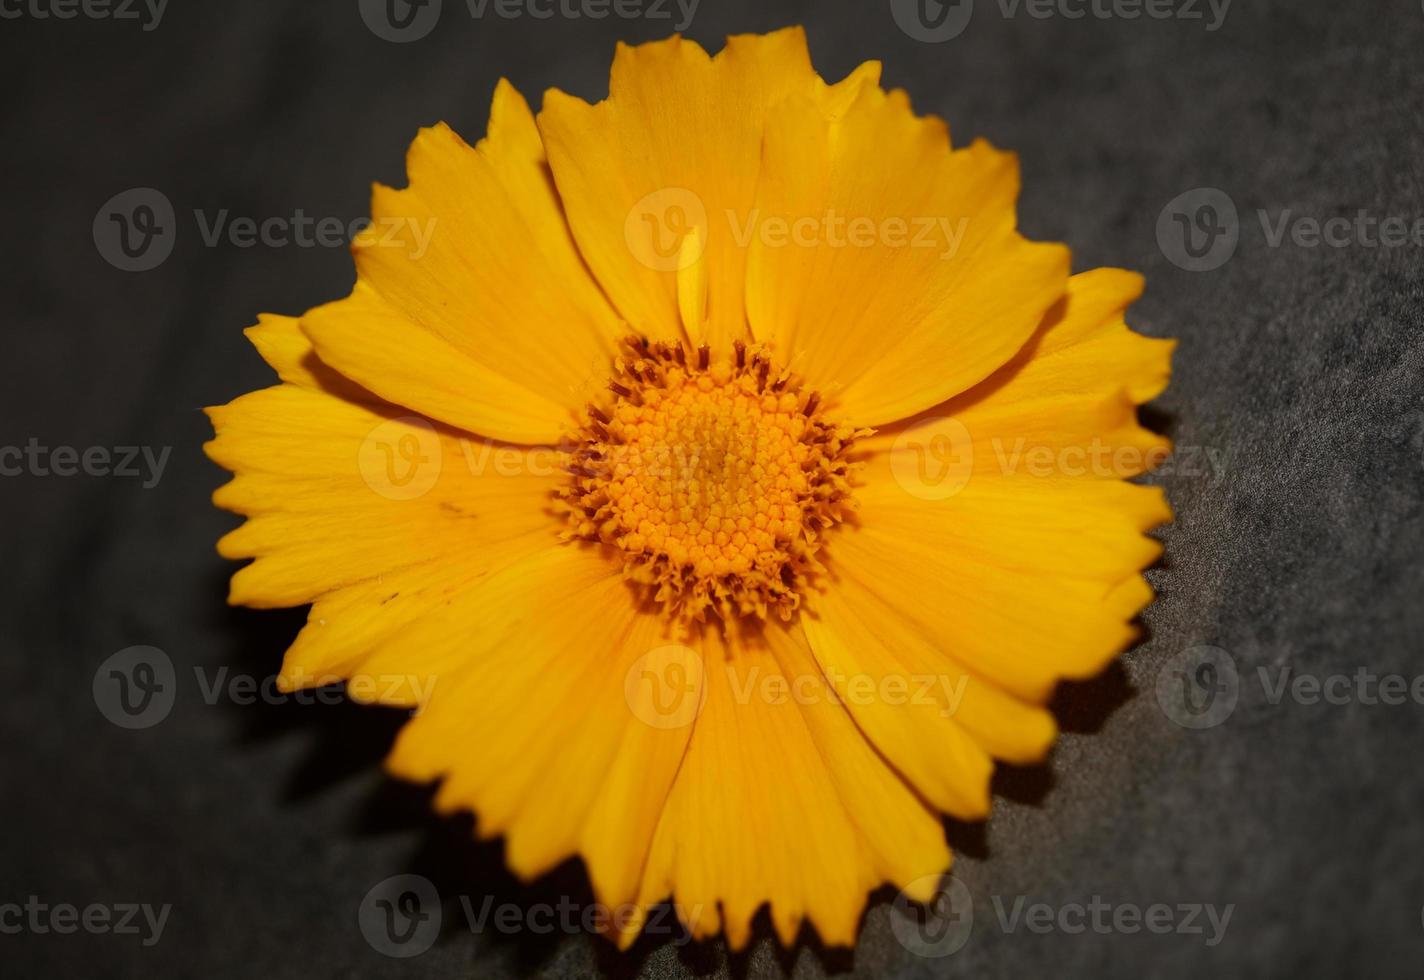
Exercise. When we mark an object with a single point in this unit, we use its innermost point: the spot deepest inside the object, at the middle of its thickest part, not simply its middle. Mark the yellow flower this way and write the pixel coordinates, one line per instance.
(719, 474)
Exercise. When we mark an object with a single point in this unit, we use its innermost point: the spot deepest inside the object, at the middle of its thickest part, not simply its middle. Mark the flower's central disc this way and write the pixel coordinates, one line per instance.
(717, 479)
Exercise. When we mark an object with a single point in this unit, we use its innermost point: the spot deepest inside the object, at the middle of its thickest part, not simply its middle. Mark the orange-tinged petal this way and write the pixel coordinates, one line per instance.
(364, 336)
(884, 267)
(781, 800)
(1007, 505)
(676, 147)
(289, 352)
(376, 517)
(530, 724)
(1064, 407)
(857, 630)
(473, 305)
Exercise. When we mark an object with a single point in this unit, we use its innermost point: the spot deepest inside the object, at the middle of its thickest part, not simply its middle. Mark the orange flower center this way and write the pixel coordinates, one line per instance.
(716, 480)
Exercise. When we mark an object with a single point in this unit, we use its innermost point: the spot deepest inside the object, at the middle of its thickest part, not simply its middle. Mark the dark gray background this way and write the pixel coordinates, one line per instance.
(265, 825)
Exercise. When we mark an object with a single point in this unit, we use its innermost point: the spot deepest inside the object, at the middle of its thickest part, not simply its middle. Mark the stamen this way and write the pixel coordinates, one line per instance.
(717, 487)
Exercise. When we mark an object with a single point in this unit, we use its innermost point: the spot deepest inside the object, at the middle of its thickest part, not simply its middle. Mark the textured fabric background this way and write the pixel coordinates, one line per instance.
(1297, 401)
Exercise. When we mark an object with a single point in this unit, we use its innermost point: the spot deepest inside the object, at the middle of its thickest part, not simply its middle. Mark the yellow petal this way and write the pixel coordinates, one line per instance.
(780, 799)
(675, 146)
(886, 268)
(1063, 408)
(857, 630)
(473, 305)
(531, 724)
(288, 351)
(1084, 344)
(339, 495)
(1009, 578)
(423, 372)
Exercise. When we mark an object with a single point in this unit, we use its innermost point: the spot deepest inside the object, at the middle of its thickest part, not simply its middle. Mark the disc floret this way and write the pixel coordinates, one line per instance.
(717, 478)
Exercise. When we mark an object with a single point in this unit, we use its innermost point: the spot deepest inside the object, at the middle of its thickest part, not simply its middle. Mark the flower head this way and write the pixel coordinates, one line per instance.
(718, 472)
